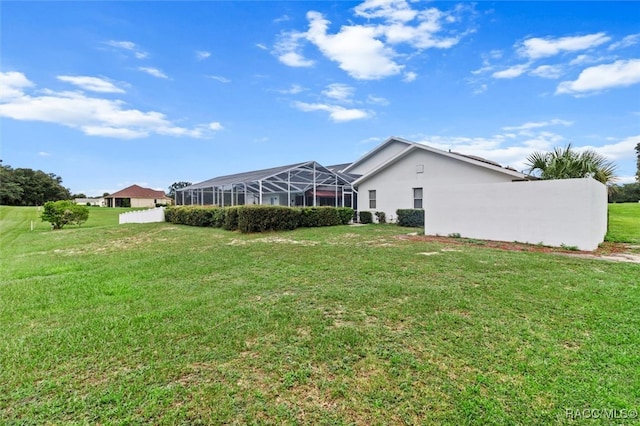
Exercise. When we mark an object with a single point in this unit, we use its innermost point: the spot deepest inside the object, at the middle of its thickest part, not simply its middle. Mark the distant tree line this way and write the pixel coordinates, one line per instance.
(630, 192)
(27, 187)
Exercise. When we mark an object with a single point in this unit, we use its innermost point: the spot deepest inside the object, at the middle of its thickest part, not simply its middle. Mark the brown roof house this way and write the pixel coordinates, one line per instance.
(137, 196)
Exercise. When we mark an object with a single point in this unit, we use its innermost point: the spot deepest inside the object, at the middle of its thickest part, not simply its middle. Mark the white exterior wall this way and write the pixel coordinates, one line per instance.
(143, 216)
(143, 202)
(394, 185)
(391, 150)
(571, 212)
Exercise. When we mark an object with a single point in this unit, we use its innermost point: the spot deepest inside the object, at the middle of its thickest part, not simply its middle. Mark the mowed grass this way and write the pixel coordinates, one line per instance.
(164, 324)
(624, 223)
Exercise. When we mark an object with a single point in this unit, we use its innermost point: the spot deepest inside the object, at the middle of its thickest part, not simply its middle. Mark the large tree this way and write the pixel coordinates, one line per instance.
(638, 162)
(175, 186)
(567, 163)
(27, 187)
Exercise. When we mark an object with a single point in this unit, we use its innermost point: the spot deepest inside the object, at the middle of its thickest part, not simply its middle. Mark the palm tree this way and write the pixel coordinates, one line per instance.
(567, 163)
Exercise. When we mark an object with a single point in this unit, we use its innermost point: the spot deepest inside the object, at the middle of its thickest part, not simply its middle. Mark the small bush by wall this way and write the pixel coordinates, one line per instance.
(410, 217)
(366, 217)
(382, 217)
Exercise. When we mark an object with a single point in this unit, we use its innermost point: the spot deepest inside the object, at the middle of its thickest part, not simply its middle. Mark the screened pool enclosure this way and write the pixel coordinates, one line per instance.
(302, 184)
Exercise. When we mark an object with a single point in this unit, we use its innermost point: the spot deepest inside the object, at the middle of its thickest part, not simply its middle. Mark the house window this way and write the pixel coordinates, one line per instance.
(420, 168)
(417, 198)
(372, 199)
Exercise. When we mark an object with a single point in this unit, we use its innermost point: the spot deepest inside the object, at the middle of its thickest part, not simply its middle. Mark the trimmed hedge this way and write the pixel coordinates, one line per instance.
(265, 218)
(410, 217)
(366, 217)
(191, 215)
(258, 218)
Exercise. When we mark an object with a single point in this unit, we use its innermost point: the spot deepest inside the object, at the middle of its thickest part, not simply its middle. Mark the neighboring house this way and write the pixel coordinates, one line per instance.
(396, 174)
(94, 201)
(137, 196)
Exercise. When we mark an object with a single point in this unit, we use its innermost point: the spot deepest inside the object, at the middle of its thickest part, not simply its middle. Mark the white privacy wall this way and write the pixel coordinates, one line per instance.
(142, 216)
(572, 212)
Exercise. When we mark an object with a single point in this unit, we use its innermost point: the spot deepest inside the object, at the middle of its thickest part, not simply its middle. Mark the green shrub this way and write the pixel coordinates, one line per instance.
(192, 215)
(219, 215)
(382, 217)
(231, 218)
(311, 217)
(267, 218)
(410, 217)
(366, 217)
(64, 212)
(257, 218)
(345, 214)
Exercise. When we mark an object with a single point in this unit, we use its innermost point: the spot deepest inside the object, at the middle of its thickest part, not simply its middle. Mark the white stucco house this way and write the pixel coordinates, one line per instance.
(396, 174)
(460, 194)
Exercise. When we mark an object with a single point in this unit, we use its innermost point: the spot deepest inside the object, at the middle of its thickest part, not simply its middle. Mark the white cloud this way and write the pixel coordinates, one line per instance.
(91, 115)
(294, 59)
(339, 92)
(495, 148)
(261, 46)
(536, 48)
(202, 54)
(93, 84)
(390, 10)
(538, 124)
(511, 72)
(618, 150)
(13, 84)
(355, 48)
(214, 125)
(547, 71)
(336, 113)
(293, 90)
(130, 46)
(409, 76)
(219, 78)
(600, 77)
(367, 51)
(376, 100)
(153, 71)
(481, 89)
(288, 50)
(44, 154)
(627, 41)
(283, 18)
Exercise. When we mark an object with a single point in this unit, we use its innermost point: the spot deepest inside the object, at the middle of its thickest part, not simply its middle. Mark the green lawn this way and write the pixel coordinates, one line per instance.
(624, 223)
(165, 324)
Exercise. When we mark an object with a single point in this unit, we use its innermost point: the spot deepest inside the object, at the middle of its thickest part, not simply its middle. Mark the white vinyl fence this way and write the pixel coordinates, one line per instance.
(569, 212)
(143, 216)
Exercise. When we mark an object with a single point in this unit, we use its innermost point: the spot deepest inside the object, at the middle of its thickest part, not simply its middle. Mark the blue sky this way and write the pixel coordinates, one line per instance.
(108, 94)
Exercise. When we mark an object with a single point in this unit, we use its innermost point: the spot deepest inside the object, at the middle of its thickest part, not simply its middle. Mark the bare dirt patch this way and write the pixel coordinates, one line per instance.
(614, 252)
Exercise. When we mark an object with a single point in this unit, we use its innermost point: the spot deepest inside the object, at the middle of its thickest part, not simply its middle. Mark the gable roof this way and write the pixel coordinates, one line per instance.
(136, 191)
(375, 150)
(470, 159)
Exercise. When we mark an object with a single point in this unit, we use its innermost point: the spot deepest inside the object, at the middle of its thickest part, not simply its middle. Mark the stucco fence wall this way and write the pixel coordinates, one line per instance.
(142, 216)
(570, 212)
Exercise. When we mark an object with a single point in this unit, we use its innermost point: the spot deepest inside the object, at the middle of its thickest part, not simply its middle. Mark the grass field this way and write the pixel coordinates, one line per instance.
(624, 223)
(165, 324)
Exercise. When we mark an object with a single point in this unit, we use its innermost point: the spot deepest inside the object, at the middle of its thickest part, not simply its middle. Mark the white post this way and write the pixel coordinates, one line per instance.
(260, 184)
(289, 188)
(314, 184)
